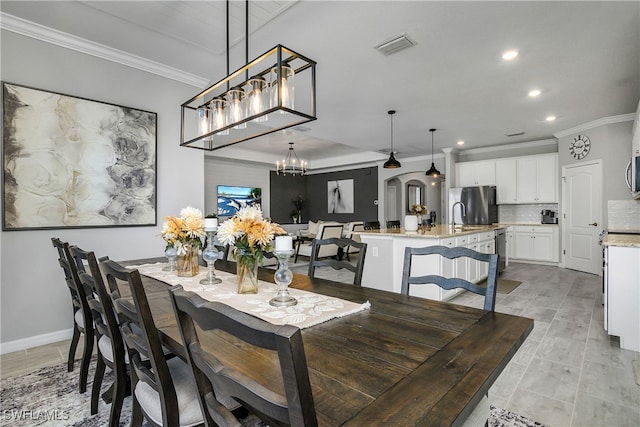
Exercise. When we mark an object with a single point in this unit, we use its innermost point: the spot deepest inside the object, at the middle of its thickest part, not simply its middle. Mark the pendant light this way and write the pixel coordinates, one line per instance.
(392, 163)
(291, 165)
(257, 99)
(432, 170)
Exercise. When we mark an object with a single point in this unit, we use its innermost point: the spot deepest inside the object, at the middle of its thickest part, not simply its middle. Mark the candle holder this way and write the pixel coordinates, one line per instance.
(171, 254)
(210, 255)
(283, 277)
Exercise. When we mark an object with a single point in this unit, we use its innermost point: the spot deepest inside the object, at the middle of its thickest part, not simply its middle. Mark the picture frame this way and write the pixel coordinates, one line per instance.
(340, 196)
(72, 162)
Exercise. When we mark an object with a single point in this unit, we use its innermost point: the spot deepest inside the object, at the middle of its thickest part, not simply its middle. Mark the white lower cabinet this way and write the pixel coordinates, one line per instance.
(535, 243)
(622, 295)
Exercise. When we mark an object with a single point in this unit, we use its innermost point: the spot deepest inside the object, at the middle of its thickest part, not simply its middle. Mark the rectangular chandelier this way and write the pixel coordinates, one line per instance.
(275, 91)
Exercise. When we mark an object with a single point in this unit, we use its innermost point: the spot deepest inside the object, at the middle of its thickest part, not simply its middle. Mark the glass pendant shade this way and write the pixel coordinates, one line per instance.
(256, 98)
(237, 107)
(432, 170)
(282, 89)
(392, 163)
(205, 123)
(219, 113)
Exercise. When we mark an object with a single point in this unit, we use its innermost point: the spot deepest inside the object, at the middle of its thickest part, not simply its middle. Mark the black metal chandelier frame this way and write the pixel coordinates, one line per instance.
(275, 62)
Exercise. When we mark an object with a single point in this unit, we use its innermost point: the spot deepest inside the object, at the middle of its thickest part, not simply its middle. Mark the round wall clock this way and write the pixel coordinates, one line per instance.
(580, 147)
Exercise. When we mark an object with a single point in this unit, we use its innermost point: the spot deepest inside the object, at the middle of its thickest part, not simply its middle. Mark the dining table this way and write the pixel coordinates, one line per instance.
(404, 361)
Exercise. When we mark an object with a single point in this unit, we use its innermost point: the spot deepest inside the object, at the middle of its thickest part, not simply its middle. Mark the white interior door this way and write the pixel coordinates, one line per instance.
(582, 216)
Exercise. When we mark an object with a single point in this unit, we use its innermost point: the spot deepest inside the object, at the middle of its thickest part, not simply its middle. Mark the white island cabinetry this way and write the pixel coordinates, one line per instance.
(385, 260)
(622, 291)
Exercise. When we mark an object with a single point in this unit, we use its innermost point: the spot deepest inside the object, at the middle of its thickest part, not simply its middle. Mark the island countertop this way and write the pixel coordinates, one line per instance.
(440, 231)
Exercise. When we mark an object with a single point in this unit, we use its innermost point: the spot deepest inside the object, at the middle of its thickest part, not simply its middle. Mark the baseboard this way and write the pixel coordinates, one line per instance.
(25, 343)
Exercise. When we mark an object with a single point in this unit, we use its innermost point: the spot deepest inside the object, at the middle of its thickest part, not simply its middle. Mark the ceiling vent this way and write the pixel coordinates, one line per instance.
(395, 44)
(515, 133)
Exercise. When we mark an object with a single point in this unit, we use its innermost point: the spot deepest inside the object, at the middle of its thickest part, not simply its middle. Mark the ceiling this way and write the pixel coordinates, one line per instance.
(584, 57)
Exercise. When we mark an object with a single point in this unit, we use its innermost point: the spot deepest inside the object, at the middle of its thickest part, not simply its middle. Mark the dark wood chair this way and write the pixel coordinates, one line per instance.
(82, 318)
(394, 225)
(315, 261)
(372, 225)
(489, 292)
(163, 391)
(111, 349)
(293, 408)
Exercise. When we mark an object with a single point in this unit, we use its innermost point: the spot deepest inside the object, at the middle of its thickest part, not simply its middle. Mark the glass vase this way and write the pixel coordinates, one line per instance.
(188, 262)
(247, 272)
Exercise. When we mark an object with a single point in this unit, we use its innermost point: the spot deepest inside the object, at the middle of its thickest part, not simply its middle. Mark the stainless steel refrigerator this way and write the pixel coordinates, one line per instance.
(473, 205)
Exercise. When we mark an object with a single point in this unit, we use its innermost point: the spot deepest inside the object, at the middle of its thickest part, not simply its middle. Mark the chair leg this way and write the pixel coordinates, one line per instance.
(120, 387)
(97, 384)
(86, 359)
(73, 347)
(136, 411)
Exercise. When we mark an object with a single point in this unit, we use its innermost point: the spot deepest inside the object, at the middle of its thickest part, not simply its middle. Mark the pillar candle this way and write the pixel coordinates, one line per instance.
(284, 243)
(210, 224)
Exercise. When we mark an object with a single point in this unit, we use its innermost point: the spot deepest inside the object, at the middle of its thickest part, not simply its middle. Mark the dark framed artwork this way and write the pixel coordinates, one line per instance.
(71, 162)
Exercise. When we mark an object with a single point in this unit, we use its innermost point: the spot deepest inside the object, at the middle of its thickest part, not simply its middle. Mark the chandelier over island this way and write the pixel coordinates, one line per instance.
(257, 99)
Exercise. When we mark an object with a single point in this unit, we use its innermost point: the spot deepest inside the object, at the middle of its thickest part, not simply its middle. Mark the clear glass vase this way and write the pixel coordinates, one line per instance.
(187, 263)
(247, 272)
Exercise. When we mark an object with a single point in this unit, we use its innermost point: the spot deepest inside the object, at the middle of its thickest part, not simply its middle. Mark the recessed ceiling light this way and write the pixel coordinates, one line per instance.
(550, 118)
(509, 55)
(460, 142)
(533, 93)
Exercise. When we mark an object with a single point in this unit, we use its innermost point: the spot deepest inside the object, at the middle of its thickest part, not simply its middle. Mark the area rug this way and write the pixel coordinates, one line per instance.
(49, 397)
(505, 286)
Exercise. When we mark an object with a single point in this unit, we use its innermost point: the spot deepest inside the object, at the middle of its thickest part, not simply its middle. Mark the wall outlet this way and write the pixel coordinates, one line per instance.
(374, 251)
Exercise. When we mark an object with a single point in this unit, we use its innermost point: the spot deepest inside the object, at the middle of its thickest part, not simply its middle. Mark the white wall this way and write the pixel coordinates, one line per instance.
(612, 144)
(35, 303)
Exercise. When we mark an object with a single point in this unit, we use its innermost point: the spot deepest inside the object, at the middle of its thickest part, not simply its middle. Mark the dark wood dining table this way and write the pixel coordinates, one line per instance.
(406, 361)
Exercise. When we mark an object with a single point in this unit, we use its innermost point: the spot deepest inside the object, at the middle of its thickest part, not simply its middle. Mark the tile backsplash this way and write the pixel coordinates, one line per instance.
(623, 215)
(524, 214)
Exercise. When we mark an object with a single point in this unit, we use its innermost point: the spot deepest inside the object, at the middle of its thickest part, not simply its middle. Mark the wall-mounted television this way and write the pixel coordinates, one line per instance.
(231, 198)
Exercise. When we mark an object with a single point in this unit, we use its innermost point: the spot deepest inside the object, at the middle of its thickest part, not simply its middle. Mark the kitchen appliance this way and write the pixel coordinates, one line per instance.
(632, 176)
(473, 205)
(549, 217)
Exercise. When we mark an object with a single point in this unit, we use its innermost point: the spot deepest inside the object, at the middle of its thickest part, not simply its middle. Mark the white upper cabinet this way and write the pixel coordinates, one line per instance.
(471, 174)
(506, 189)
(536, 179)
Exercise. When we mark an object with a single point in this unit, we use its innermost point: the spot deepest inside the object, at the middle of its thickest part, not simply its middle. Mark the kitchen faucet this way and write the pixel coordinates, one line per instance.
(463, 213)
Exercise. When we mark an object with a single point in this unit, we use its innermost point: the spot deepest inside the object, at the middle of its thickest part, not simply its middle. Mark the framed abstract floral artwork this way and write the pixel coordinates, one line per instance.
(71, 162)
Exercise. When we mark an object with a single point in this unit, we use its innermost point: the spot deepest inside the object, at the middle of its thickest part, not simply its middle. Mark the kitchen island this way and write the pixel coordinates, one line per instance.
(622, 288)
(385, 257)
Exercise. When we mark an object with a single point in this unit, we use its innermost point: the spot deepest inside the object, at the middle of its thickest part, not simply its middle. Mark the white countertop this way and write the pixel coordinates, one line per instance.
(434, 232)
(627, 240)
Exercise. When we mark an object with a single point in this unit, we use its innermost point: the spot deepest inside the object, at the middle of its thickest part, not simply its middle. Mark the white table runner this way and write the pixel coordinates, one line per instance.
(312, 309)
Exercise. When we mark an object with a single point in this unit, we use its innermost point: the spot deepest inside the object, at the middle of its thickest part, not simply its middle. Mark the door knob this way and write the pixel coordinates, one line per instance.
(595, 224)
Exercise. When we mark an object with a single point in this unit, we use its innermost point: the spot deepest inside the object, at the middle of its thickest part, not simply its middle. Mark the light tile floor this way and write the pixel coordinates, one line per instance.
(567, 373)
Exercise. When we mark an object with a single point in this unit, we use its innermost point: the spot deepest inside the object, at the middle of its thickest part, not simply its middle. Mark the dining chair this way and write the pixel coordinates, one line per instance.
(489, 292)
(294, 406)
(355, 226)
(82, 318)
(163, 391)
(372, 225)
(111, 349)
(337, 264)
(325, 231)
(393, 225)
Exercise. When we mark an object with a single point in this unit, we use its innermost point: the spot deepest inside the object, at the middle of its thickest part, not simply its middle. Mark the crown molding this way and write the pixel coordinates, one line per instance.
(68, 41)
(596, 123)
(514, 146)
